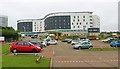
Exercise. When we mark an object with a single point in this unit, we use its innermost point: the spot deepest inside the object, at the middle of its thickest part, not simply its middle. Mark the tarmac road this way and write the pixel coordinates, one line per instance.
(66, 56)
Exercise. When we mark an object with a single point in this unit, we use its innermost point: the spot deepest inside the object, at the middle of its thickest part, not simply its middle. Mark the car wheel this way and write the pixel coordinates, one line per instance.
(34, 51)
(14, 51)
(80, 48)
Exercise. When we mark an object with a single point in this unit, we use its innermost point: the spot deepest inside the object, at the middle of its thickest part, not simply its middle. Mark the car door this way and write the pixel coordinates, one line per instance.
(118, 44)
(85, 45)
(19, 46)
(27, 46)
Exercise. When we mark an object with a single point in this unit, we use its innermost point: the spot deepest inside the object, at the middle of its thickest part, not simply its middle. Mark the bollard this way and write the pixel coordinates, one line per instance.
(38, 59)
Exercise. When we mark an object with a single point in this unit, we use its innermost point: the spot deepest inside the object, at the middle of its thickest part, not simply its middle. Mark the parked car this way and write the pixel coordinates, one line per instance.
(66, 40)
(69, 41)
(106, 40)
(82, 45)
(24, 46)
(37, 44)
(53, 42)
(74, 42)
(115, 44)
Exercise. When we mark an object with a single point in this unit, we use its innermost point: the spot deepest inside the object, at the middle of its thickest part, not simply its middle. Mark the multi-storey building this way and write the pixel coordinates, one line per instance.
(67, 23)
(3, 21)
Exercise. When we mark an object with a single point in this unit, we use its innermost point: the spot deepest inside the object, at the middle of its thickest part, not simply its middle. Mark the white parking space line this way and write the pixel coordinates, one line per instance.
(86, 61)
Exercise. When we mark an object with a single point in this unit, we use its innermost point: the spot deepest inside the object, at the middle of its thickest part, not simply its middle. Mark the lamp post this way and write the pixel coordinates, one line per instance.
(24, 29)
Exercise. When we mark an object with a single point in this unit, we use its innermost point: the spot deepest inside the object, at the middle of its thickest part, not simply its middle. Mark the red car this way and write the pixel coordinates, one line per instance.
(24, 46)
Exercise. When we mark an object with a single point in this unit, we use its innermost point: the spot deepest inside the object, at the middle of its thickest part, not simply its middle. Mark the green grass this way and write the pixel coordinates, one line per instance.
(5, 48)
(24, 61)
(102, 49)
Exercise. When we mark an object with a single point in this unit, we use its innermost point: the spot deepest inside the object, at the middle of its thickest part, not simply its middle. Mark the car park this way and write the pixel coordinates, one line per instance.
(24, 46)
(82, 45)
(115, 44)
(53, 42)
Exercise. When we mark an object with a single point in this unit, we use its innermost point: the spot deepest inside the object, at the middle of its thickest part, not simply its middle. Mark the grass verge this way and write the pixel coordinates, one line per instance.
(5, 48)
(24, 61)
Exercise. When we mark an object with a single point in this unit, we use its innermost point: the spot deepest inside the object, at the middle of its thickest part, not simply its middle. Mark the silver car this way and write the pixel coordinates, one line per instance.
(74, 42)
(82, 45)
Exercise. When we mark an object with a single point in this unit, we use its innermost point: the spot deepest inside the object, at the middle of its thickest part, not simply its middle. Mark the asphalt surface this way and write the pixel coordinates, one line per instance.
(65, 56)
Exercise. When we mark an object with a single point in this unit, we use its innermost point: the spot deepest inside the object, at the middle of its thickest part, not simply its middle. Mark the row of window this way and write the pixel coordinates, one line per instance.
(82, 16)
(81, 23)
(83, 20)
(79, 26)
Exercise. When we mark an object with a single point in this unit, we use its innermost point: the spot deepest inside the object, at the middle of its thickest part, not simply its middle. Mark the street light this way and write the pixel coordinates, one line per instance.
(24, 29)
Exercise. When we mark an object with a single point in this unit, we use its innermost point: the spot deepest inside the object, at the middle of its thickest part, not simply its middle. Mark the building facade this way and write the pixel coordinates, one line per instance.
(68, 23)
(119, 16)
(3, 21)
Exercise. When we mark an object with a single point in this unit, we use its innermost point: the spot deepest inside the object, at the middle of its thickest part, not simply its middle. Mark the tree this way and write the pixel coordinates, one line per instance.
(9, 33)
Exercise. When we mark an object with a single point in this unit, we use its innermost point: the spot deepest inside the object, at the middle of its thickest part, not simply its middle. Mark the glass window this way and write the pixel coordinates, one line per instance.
(73, 20)
(83, 16)
(83, 19)
(77, 23)
(86, 22)
(78, 16)
(91, 26)
(78, 27)
(74, 16)
(91, 23)
(26, 44)
(72, 23)
(78, 20)
(73, 26)
(90, 16)
(90, 19)
(80, 23)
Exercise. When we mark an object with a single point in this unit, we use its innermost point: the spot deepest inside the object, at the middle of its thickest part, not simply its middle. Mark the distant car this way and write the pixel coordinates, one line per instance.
(115, 44)
(24, 46)
(69, 41)
(66, 40)
(106, 40)
(37, 44)
(82, 45)
(74, 42)
(53, 42)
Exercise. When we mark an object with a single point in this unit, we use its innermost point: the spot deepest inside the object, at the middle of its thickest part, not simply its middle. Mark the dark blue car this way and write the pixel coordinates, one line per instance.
(115, 44)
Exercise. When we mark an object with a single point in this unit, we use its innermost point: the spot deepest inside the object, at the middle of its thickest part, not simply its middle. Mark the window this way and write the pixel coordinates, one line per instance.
(90, 16)
(83, 16)
(83, 19)
(91, 26)
(77, 23)
(73, 26)
(78, 27)
(72, 23)
(64, 20)
(74, 16)
(78, 20)
(73, 20)
(26, 44)
(91, 23)
(90, 19)
(80, 23)
(19, 43)
(78, 16)
(86, 22)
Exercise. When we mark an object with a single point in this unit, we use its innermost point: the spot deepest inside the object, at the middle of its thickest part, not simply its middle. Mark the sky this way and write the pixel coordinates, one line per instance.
(107, 10)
